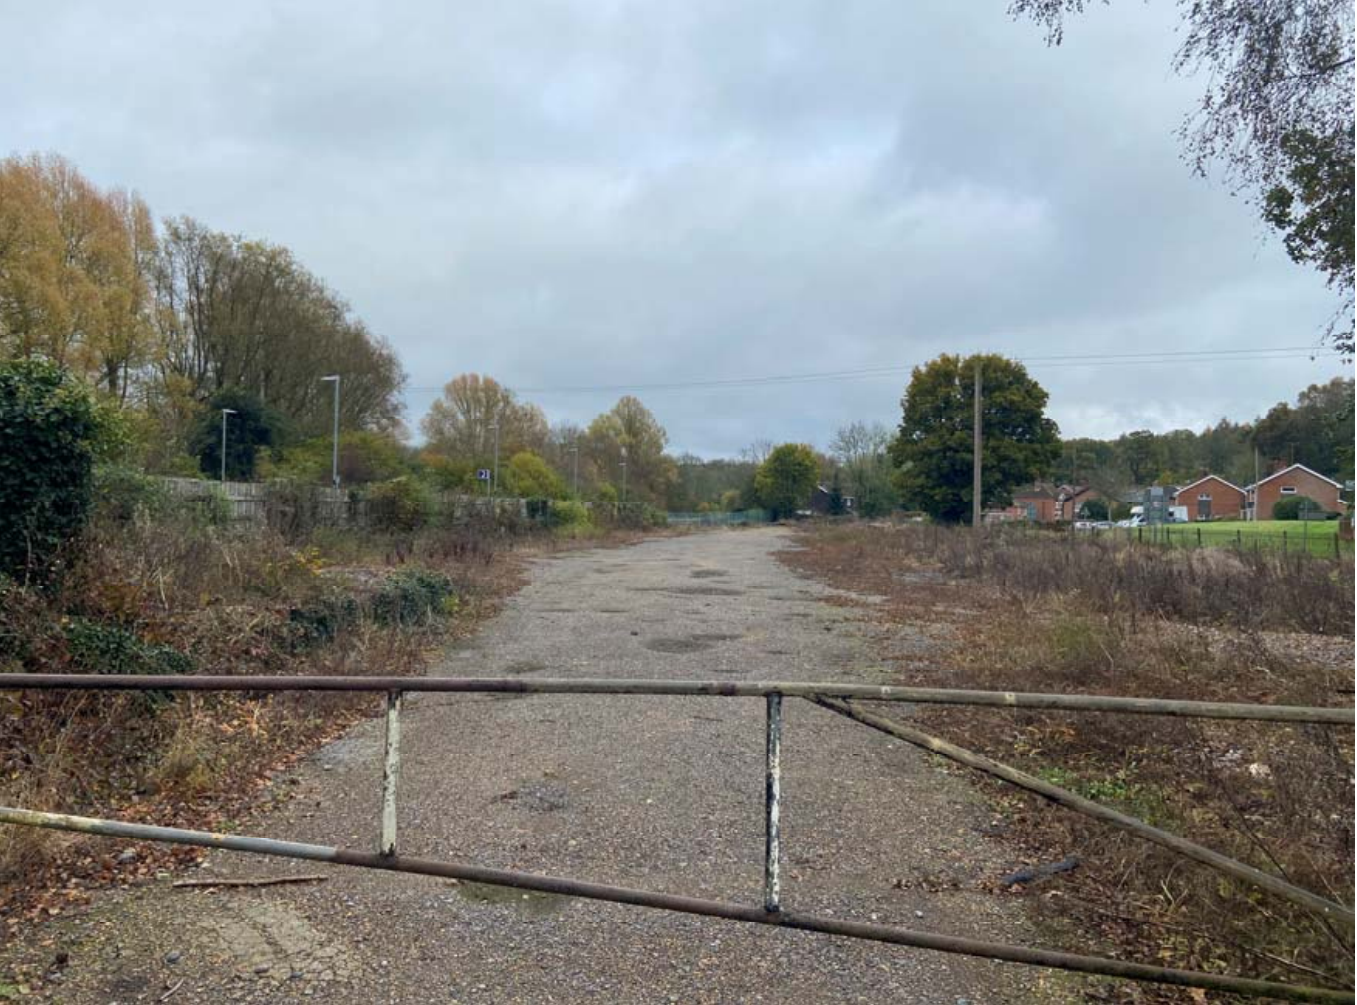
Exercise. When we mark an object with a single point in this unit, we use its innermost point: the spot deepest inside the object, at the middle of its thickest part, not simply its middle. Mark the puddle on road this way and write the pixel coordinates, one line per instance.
(530, 902)
(676, 645)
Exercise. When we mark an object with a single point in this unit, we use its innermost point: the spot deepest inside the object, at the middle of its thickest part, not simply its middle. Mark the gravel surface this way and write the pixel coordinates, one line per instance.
(659, 793)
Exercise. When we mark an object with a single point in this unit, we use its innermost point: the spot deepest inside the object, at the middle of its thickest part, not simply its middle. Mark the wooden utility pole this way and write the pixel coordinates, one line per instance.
(975, 465)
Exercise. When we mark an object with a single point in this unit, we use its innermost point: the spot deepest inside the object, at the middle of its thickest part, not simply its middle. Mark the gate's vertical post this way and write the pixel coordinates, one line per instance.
(772, 882)
(390, 772)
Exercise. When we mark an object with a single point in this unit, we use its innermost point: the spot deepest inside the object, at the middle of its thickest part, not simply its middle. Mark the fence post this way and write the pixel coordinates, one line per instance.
(1140, 535)
(390, 772)
(1337, 553)
(1238, 539)
(1283, 544)
(772, 789)
(1199, 537)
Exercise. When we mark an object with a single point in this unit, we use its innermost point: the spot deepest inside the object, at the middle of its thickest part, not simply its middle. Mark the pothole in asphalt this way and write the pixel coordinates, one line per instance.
(716, 636)
(529, 901)
(708, 573)
(518, 667)
(539, 797)
(692, 645)
(694, 591)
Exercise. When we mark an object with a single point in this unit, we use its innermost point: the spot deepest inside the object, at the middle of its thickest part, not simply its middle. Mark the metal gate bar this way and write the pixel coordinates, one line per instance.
(696, 688)
(1189, 849)
(772, 807)
(1095, 965)
(825, 694)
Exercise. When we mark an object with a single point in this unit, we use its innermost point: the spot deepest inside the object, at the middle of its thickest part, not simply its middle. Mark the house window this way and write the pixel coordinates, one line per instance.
(1203, 497)
(1288, 490)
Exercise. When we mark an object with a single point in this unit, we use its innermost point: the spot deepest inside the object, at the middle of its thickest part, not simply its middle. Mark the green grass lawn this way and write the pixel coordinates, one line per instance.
(1319, 536)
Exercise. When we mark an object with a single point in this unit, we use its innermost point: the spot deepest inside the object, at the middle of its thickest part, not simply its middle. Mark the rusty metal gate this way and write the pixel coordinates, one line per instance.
(843, 699)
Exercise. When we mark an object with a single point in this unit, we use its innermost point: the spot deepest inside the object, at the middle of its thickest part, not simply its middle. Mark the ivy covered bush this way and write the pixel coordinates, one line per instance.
(49, 427)
(413, 597)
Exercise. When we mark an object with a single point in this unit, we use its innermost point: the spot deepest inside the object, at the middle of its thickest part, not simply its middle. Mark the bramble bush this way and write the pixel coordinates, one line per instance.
(401, 505)
(412, 597)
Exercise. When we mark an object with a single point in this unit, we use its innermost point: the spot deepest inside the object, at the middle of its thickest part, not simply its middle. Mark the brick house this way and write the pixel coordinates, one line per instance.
(1037, 501)
(1052, 503)
(1211, 497)
(1297, 480)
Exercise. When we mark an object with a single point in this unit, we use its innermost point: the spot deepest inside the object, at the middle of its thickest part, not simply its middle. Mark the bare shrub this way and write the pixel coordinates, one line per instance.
(1250, 590)
(1052, 614)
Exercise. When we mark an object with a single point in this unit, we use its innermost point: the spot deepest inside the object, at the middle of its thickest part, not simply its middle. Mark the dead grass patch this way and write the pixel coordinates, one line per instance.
(1276, 796)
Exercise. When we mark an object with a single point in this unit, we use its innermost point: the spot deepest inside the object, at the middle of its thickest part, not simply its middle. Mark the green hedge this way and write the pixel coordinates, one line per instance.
(49, 428)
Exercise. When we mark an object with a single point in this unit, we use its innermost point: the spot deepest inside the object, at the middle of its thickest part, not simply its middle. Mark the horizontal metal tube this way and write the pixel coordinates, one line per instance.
(1068, 799)
(714, 688)
(686, 905)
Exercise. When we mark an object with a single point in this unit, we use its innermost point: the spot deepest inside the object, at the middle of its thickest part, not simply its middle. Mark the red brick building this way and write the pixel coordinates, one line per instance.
(1211, 497)
(1052, 503)
(1297, 480)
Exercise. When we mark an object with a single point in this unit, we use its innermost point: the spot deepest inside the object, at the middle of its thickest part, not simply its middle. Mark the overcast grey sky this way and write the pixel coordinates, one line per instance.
(594, 192)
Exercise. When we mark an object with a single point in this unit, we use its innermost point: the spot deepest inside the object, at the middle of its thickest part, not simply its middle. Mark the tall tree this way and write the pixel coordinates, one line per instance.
(934, 447)
(1141, 455)
(863, 450)
(250, 427)
(630, 429)
(462, 423)
(245, 314)
(75, 264)
(1316, 432)
(1277, 113)
(786, 478)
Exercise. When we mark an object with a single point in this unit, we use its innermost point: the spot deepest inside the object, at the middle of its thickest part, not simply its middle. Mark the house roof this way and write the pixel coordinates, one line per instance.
(1207, 478)
(1293, 467)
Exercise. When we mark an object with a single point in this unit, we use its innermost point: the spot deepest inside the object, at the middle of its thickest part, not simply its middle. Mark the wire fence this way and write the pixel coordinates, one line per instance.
(1307, 537)
(720, 519)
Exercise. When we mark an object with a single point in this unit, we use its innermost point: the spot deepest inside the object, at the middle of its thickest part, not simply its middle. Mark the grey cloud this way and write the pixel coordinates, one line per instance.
(628, 193)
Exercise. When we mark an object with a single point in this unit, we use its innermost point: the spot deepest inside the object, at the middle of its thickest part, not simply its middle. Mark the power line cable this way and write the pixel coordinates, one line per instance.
(1179, 357)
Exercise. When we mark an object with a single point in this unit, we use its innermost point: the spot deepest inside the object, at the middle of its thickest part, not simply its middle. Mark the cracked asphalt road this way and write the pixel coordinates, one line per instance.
(659, 793)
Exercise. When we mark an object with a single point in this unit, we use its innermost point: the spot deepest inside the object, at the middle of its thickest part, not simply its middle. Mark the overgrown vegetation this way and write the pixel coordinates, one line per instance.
(160, 586)
(1247, 590)
(1043, 613)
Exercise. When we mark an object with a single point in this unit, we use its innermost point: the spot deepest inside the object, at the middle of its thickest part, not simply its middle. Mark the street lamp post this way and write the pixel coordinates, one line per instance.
(224, 413)
(334, 462)
(494, 472)
(624, 476)
(575, 481)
